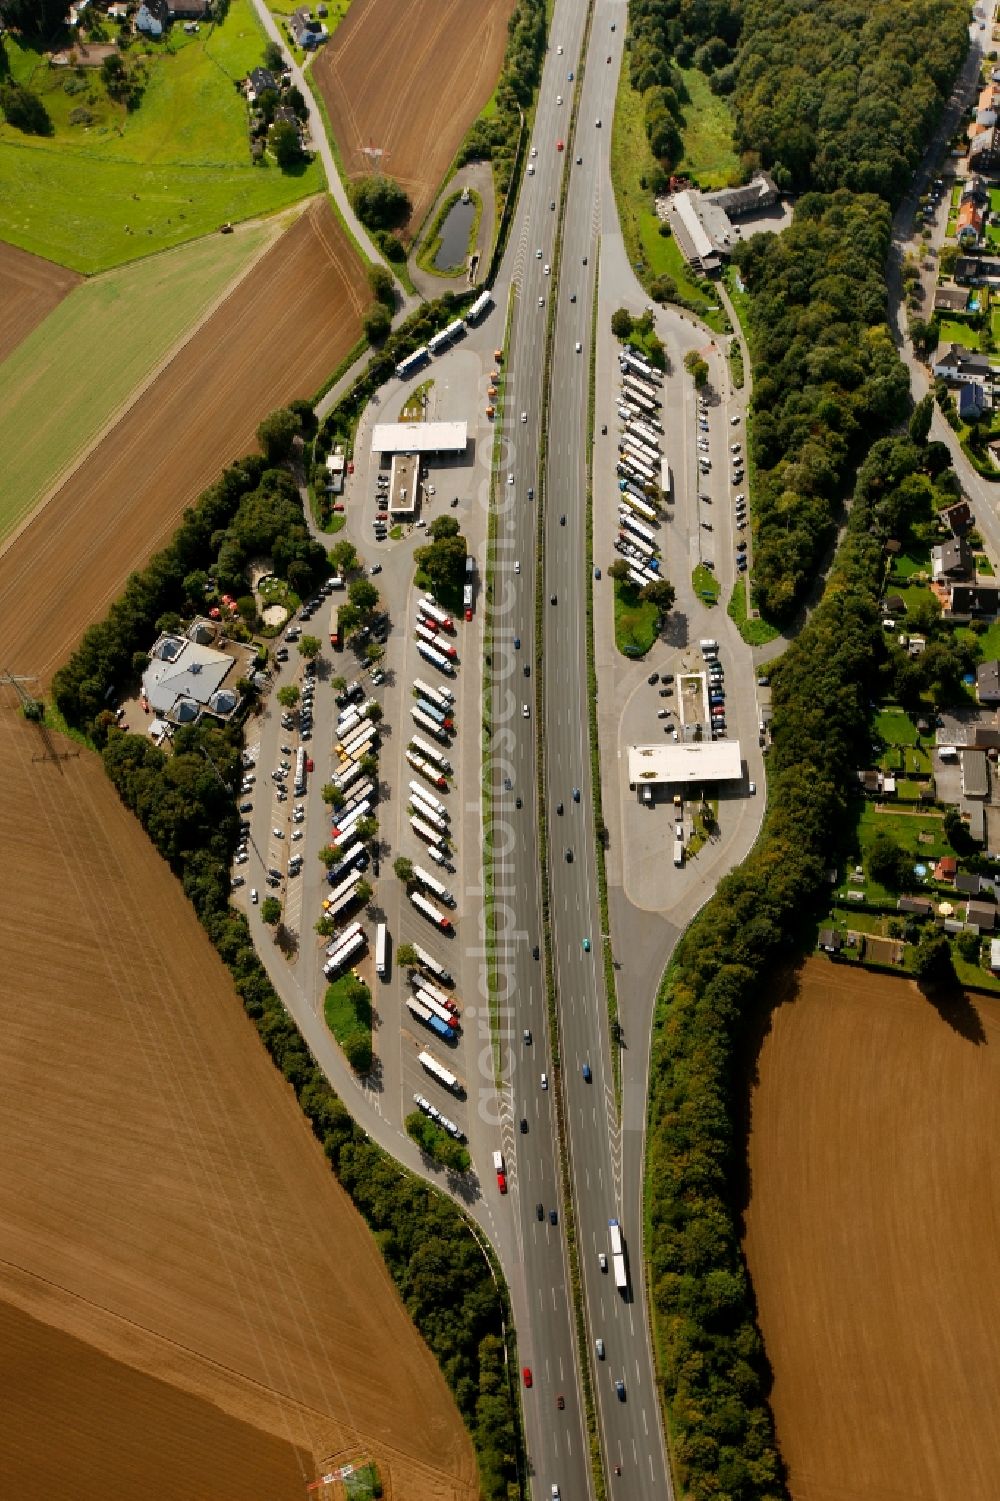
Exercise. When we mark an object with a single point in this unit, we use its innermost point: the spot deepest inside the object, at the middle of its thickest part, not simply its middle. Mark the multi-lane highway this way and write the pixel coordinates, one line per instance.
(557, 730)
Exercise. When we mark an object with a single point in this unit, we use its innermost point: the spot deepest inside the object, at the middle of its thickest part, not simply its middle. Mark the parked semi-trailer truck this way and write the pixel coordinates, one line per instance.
(432, 913)
(436, 887)
(434, 776)
(430, 963)
(427, 1017)
(440, 1073)
(430, 725)
(437, 658)
(430, 753)
(430, 607)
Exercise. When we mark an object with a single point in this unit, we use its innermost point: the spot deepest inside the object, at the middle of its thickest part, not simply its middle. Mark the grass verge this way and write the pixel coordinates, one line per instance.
(347, 1008)
(636, 621)
(706, 584)
(754, 632)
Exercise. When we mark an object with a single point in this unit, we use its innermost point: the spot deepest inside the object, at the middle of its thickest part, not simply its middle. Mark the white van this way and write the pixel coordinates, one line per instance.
(709, 648)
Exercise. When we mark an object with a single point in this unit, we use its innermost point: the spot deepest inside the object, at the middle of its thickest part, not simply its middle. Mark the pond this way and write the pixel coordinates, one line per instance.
(454, 244)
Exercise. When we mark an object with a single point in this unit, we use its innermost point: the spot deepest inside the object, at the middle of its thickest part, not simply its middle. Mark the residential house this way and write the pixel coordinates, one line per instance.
(995, 954)
(978, 269)
(951, 559)
(118, 11)
(986, 117)
(976, 191)
(981, 915)
(971, 401)
(190, 10)
(958, 517)
(984, 149)
(984, 738)
(284, 115)
(830, 941)
(975, 774)
(988, 682)
(946, 869)
(967, 882)
(987, 97)
(152, 17)
(260, 81)
(918, 905)
(958, 365)
(950, 300)
(970, 219)
(894, 604)
(759, 193)
(871, 782)
(974, 599)
(305, 31)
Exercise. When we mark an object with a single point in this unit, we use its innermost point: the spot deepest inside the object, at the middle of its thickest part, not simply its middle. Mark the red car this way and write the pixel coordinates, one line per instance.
(526, 1373)
(559, 145)
(468, 612)
(339, 506)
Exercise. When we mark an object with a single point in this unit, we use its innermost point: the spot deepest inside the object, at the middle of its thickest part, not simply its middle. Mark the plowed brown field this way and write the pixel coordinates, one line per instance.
(873, 1230)
(29, 289)
(409, 79)
(190, 1307)
(283, 329)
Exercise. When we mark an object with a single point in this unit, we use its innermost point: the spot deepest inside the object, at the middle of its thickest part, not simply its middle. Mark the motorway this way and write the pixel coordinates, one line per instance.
(630, 1430)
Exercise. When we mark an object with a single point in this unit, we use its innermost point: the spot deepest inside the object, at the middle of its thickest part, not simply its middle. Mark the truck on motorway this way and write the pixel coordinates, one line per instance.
(442, 696)
(428, 1018)
(344, 955)
(435, 777)
(435, 657)
(428, 606)
(424, 831)
(431, 964)
(434, 886)
(432, 913)
(499, 1169)
(430, 725)
(336, 635)
(440, 1073)
(430, 754)
(618, 1256)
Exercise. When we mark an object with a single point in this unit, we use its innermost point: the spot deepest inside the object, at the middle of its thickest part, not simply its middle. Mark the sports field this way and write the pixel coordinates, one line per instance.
(133, 182)
(71, 375)
(277, 337)
(383, 75)
(190, 1307)
(29, 289)
(871, 1234)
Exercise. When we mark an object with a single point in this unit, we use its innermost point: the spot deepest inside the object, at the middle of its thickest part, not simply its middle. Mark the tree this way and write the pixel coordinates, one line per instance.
(887, 862)
(363, 596)
(406, 955)
(618, 570)
(24, 110)
(403, 869)
(325, 927)
(377, 324)
(358, 1051)
(969, 945)
(932, 961)
(696, 368)
(364, 891)
(270, 911)
(288, 695)
(661, 594)
(328, 855)
(344, 557)
(382, 283)
(277, 433)
(369, 763)
(309, 647)
(366, 829)
(285, 143)
(920, 422)
(443, 526)
(621, 323)
(40, 20)
(274, 58)
(329, 794)
(443, 564)
(379, 202)
(374, 652)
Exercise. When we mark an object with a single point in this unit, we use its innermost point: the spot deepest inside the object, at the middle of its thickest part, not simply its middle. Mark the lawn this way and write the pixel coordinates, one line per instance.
(895, 727)
(706, 584)
(92, 196)
(632, 169)
(754, 632)
(906, 829)
(954, 331)
(907, 564)
(709, 157)
(989, 642)
(69, 376)
(348, 1011)
(636, 621)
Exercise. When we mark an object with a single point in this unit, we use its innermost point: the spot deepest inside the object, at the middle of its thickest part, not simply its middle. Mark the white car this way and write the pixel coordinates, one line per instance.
(579, 346)
(741, 499)
(602, 1261)
(545, 1081)
(541, 302)
(734, 421)
(531, 169)
(278, 833)
(534, 150)
(242, 858)
(525, 712)
(752, 788)
(253, 895)
(510, 479)
(560, 51)
(524, 416)
(517, 566)
(547, 270)
(559, 99)
(538, 253)
(296, 835)
(735, 447)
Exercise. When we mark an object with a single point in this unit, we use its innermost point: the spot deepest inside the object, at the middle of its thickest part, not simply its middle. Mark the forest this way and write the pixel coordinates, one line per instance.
(827, 380)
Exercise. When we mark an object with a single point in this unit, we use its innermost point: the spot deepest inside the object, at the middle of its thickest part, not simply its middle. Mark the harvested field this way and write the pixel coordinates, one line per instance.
(382, 76)
(871, 1234)
(190, 1307)
(276, 337)
(29, 289)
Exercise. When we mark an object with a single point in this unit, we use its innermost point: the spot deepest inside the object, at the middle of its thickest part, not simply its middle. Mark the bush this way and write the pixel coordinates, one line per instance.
(379, 202)
(24, 110)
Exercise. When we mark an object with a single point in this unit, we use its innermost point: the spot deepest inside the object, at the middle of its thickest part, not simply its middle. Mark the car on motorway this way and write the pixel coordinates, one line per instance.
(525, 712)
(552, 599)
(602, 1261)
(541, 302)
(559, 101)
(620, 1389)
(526, 1037)
(579, 161)
(539, 1210)
(561, 1400)
(547, 270)
(553, 1217)
(536, 952)
(599, 1347)
(510, 479)
(531, 169)
(576, 794)
(524, 1125)
(534, 150)
(527, 1377)
(538, 253)
(568, 855)
(579, 346)
(545, 1081)
(524, 416)
(587, 1075)
(586, 950)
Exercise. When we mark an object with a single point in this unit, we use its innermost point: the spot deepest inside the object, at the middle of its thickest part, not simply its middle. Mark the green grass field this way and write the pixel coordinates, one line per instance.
(74, 370)
(94, 196)
(954, 331)
(636, 621)
(710, 158)
(632, 168)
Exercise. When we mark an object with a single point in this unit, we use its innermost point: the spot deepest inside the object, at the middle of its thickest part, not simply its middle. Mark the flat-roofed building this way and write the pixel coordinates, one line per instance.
(404, 482)
(686, 764)
(420, 437)
(975, 776)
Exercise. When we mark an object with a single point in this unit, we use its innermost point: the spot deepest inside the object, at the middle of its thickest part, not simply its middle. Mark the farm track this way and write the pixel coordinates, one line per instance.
(871, 1234)
(374, 76)
(30, 288)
